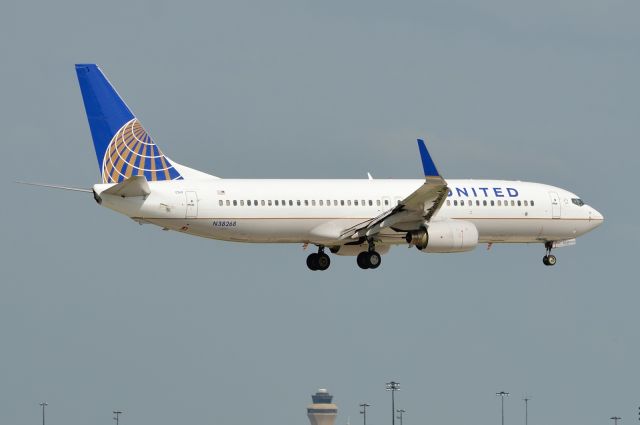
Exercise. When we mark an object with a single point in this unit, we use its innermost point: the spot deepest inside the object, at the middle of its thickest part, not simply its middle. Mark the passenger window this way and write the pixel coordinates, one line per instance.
(276, 201)
(242, 202)
(235, 203)
(526, 203)
(262, 202)
(321, 202)
(298, 202)
(370, 203)
(342, 202)
(220, 202)
(290, 203)
(448, 202)
(313, 202)
(477, 203)
(269, 202)
(364, 203)
(492, 203)
(306, 203)
(355, 202)
(455, 203)
(519, 203)
(228, 202)
(335, 202)
(484, 202)
(531, 203)
(386, 202)
(255, 202)
(512, 203)
(378, 202)
(499, 203)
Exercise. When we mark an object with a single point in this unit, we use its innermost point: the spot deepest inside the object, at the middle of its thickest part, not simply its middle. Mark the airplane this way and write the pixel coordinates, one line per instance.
(362, 218)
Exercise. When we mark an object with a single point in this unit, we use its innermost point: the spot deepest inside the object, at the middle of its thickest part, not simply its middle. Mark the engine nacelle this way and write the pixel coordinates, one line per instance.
(445, 236)
(419, 238)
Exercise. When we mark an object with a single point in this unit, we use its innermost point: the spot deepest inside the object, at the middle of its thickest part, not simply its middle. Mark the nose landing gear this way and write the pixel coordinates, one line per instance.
(318, 261)
(549, 259)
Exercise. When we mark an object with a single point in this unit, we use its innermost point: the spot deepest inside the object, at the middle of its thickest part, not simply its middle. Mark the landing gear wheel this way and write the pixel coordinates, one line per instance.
(374, 259)
(312, 261)
(549, 259)
(362, 260)
(323, 261)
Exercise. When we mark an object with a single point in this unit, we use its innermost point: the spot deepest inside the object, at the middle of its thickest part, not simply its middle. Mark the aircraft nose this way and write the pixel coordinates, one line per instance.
(595, 217)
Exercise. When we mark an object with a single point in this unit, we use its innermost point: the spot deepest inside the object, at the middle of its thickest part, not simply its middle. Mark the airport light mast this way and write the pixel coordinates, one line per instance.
(117, 414)
(401, 411)
(526, 410)
(363, 412)
(615, 419)
(43, 404)
(393, 386)
(502, 395)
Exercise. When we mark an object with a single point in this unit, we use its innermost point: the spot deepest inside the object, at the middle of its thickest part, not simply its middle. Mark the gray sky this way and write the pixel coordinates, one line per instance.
(98, 313)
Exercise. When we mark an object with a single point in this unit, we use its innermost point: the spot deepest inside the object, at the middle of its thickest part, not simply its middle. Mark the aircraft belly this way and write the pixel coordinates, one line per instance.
(527, 230)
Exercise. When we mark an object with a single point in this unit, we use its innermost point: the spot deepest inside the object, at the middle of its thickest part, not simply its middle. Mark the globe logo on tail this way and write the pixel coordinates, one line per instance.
(131, 152)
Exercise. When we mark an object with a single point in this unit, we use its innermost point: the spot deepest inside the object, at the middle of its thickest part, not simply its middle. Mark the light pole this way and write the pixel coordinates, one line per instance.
(43, 404)
(117, 414)
(526, 410)
(393, 386)
(401, 411)
(363, 412)
(502, 395)
(615, 419)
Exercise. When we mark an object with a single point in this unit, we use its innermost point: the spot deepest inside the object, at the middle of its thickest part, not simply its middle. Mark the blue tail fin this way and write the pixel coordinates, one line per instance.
(123, 147)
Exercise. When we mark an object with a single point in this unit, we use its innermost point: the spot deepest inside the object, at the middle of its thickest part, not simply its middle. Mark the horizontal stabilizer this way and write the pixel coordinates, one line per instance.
(133, 186)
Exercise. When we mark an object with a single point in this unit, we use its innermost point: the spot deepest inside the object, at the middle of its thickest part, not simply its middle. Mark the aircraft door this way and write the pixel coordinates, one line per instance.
(192, 204)
(555, 205)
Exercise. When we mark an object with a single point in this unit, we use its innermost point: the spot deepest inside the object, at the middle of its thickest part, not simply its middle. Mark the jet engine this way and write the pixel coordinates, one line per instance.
(444, 236)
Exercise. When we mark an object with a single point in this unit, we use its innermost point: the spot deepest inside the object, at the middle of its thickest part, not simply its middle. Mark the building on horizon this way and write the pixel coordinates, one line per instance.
(322, 411)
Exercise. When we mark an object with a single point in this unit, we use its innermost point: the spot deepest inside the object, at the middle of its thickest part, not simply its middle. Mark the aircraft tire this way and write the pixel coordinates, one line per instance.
(374, 259)
(551, 260)
(362, 260)
(545, 260)
(323, 261)
(312, 261)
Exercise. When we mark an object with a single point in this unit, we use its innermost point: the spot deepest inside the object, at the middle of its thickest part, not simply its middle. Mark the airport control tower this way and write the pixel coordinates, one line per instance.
(322, 411)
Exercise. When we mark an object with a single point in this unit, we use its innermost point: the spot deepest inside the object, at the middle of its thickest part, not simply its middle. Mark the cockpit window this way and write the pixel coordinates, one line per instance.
(577, 201)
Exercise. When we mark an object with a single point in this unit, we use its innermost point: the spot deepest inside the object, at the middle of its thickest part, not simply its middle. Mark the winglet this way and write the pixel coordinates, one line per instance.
(427, 163)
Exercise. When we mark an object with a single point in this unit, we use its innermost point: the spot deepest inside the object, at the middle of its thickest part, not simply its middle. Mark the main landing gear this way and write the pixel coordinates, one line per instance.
(369, 259)
(319, 260)
(549, 259)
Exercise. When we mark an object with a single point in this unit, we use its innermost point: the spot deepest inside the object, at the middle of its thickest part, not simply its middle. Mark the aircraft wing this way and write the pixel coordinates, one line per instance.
(418, 207)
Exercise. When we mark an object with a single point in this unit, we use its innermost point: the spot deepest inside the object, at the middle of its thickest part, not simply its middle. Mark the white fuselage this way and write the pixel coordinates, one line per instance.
(316, 211)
